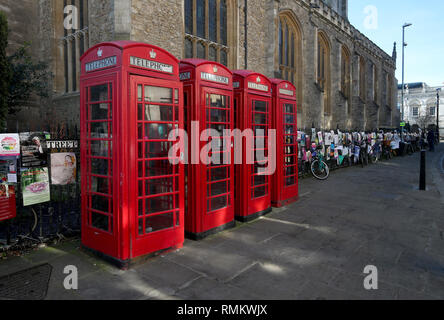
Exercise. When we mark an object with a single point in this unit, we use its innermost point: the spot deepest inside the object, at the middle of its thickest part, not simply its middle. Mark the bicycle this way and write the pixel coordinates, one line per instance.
(375, 153)
(319, 168)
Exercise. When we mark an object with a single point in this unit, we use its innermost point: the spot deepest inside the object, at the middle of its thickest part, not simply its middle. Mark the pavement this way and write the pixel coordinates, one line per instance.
(316, 248)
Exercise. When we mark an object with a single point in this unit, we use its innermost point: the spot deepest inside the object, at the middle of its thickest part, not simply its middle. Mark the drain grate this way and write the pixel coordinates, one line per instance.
(29, 284)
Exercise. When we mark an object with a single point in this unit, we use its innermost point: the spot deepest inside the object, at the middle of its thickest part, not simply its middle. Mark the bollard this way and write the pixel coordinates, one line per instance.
(422, 174)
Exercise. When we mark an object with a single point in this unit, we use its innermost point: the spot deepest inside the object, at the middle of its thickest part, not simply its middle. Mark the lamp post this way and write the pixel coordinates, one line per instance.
(402, 94)
(437, 112)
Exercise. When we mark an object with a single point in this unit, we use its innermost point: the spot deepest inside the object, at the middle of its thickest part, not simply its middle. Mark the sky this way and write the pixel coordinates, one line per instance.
(425, 38)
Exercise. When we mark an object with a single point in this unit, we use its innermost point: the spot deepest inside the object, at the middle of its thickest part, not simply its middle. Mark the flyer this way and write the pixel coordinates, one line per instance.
(35, 186)
(63, 168)
(9, 144)
(33, 149)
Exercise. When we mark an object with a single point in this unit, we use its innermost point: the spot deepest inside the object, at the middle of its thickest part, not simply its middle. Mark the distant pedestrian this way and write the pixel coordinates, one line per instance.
(431, 140)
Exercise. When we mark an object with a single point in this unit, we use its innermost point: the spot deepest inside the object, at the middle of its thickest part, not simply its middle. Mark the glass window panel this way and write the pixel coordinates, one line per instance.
(289, 139)
(290, 160)
(140, 207)
(158, 113)
(188, 48)
(218, 203)
(289, 171)
(289, 118)
(258, 167)
(160, 204)
(217, 115)
(259, 180)
(212, 53)
(189, 16)
(100, 130)
(218, 174)
(140, 227)
(158, 94)
(200, 50)
(289, 108)
(260, 118)
(218, 101)
(140, 112)
(158, 168)
(99, 111)
(158, 186)
(99, 221)
(100, 185)
(100, 203)
(290, 149)
(157, 149)
(100, 167)
(223, 58)
(217, 188)
(259, 192)
(100, 148)
(177, 219)
(219, 127)
(212, 20)
(223, 22)
(289, 129)
(158, 130)
(99, 93)
(260, 106)
(159, 222)
(200, 18)
(289, 181)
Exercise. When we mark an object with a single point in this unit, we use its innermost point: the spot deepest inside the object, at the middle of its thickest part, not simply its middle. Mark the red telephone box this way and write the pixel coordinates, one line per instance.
(132, 195)
(252, 104)
(208, 101)
(285, 187)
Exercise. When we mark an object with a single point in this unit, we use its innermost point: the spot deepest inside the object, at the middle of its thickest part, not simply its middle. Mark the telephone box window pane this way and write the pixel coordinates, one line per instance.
(99, 93)
(218, 101)
(289, 130)
(140, 207)
(289, 108)
(140, 227)
(289, 171)
(159, 222)
(260, 192)
(100, 185)
(223, 58)
(260, 118)
(212, 53)
(158, 149)
(139, 93)
(217, 188)
(158, 113)
(188, 48)
(289, 118)
(157, 186)
(158, 131)
(260, 106)
(158, 168)
(200, 23)
(99, 111)
(177, 219)
(259, 180)
(100, 130)
(100, 203)
(218, 203)
(217, 115)
(200, 50)
(158, 94)
(140, 112)
(289, 139)
(290, 149)
(290, 160)
(99, 221)
(99, 148)
(218, 174)
(159, 204)
(290, 180)
(100, 167)
(176, 98)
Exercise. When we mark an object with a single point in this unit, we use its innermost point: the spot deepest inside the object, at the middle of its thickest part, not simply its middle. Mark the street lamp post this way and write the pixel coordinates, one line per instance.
(402, 94)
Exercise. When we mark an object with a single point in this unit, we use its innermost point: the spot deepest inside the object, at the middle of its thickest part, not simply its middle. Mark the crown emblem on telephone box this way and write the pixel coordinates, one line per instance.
(258, 79)
(215, 69)
(99, 52)
(153, 54)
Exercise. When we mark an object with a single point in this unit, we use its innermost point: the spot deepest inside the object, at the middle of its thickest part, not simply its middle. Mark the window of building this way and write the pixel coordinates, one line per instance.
(206, 30)
(415, 112)
(362, 78)
(375, 84)
(72, 45)
(432, 111)
(345, 72)
(323, 69)
(389, 90)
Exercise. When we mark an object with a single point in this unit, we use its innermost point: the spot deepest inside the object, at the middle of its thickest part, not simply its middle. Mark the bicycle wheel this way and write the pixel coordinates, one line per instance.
(320, 170)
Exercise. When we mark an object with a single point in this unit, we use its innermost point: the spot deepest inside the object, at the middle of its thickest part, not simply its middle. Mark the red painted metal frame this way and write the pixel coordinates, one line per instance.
(284, 191)
(123, 243)
(245, 94)
(8, 209)
(200, 220)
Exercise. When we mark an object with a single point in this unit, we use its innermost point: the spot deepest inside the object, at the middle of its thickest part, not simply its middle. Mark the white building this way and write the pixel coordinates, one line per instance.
(420, 104)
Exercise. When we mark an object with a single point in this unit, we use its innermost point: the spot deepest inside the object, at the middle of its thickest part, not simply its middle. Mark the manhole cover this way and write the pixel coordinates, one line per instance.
(29, 284)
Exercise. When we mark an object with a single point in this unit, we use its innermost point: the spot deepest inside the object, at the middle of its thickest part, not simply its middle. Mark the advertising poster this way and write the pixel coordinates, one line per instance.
(9, 145)
(63, 168)
(35, 186)
(33, 149)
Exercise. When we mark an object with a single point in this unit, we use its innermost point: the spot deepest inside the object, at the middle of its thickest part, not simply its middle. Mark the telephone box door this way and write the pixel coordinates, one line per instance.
(260, 123)
(98, 115)
(290, 143)
(217, 115)
(157, 191)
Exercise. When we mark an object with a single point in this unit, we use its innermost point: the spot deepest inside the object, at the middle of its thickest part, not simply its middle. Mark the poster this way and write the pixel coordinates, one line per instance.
(33, 149)
(35, 186)
(9, 144)
(63, 168)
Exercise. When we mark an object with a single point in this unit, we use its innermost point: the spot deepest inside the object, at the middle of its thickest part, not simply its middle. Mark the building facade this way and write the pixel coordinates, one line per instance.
(343, 79)
(421, 105)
